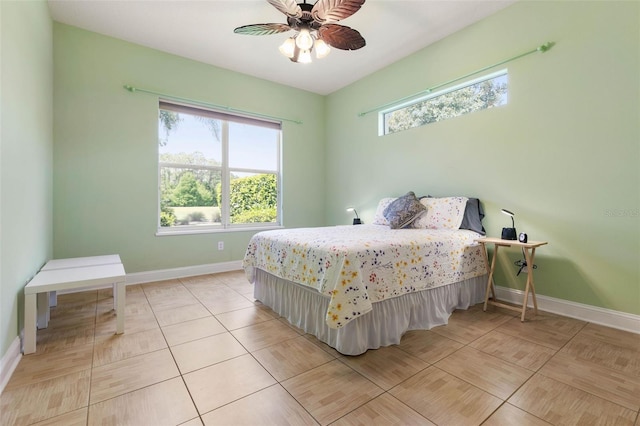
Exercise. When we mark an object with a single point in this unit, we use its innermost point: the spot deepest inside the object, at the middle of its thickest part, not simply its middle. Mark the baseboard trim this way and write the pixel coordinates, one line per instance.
(183, 272)
(594, 314)
(9, 362)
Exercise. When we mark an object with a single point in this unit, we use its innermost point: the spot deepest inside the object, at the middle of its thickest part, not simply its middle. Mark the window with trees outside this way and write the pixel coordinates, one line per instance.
(217, 170)
(485, 92)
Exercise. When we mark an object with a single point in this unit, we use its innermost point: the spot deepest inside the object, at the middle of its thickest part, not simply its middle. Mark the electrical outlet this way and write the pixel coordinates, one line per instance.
(220, 245)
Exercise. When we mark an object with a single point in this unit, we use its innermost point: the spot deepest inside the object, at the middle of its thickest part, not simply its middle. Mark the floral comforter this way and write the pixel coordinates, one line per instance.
(359, 265)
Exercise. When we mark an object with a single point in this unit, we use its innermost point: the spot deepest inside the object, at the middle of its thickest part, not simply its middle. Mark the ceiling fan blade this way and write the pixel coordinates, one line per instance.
(335, 10)
(288, 7)
(262, 29)
(341, 37)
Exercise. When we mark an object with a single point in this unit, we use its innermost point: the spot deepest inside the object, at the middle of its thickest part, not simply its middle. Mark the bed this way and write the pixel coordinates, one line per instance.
(362, 287)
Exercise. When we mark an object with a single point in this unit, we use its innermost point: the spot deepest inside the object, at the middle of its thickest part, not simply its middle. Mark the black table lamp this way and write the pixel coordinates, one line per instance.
(509, 233)
(356, 220)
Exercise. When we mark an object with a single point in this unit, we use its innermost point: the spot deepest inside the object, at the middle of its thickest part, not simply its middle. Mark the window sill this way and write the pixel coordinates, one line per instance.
(168, 232)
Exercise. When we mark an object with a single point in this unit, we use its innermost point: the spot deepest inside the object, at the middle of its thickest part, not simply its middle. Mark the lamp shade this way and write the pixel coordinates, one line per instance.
(304, 40)
(288, 47)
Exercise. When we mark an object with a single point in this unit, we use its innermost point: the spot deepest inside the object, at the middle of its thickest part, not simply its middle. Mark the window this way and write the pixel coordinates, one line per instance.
(217, 171)
(482, 93)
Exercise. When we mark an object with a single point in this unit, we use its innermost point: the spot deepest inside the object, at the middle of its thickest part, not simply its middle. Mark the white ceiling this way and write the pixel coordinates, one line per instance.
(203, 30)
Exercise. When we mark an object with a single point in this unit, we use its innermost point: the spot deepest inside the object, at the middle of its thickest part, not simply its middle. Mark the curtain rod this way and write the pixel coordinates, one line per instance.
(542, 48)
(207, 104)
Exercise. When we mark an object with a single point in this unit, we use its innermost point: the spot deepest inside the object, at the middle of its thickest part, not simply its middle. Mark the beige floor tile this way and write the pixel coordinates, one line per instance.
(560, 404)
(210, 292)
(63, 316)
(328, 349)
(181, 314)
(291, 357)
(508, 415)
(121, 346)
(298, 330)
(384, 410)
(131, 308)
(544, 329)
(38, 367)
(330, 391)
(74, 418)
(207, 351)
(444, 399)
(270, 406)
(226, 304)
(245, 317)
(589, 348)
(513, 349)
(386, 367)
(225, 382)
(43, 400)
(155, 288)
(613, 385)
(117, 378)
(620, 338)
(237, 281)
(166, 403)
(427, 345)
(133, 323)
(193, 422)
(491, 374)
(465, 326)
(51, 339)
(170, 296)
(187, 331)
(258, 336)
(207, 280)
(233, 277)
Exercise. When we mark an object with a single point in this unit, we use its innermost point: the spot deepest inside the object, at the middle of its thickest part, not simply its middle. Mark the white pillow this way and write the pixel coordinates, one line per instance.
(379, 218)
(442, 213)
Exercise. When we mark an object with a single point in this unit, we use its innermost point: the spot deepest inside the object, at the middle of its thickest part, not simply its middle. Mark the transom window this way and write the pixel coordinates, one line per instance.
(217, 171)
(485, 92)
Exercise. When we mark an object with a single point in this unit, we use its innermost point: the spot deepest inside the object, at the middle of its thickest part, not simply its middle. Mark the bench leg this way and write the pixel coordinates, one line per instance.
(120, 292)
(53, 298)
(29, 342)
(43, 310)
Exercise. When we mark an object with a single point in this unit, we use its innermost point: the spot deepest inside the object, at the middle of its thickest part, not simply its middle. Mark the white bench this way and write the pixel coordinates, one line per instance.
(75, 262)
(71, 274)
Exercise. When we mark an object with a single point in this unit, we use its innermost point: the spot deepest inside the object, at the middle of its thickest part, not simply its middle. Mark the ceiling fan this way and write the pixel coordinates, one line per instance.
(315, 28)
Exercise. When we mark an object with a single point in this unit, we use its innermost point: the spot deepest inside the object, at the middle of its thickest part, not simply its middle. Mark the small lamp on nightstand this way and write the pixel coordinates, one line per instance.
(509, 233)
(356, 220)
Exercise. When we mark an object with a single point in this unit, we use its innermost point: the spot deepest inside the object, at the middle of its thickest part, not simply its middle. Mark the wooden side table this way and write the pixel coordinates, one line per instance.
(529, 249)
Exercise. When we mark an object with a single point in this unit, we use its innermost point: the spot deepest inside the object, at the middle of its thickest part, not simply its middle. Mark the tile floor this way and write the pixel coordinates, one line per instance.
(201, 350)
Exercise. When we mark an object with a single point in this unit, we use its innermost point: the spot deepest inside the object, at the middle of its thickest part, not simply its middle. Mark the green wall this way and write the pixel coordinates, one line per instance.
(564, 154)
(105, 152)
(26, 88)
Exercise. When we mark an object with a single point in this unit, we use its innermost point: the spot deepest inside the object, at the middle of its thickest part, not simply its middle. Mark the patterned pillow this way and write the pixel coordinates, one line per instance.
(403, 211)
(442, 213)
(379, 218)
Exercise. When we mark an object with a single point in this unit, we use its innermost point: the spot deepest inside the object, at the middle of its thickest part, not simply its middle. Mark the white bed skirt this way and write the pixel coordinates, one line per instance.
(383, 326)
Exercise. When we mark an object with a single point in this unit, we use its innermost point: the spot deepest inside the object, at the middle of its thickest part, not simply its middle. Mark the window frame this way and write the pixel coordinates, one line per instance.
(224, 168)
(382, 121)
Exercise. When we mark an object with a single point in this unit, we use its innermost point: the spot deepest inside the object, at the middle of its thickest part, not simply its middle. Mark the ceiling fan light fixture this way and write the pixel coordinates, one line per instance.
(304, 39)
(315, 26)
(288, 47)
(304, 57)
(322, 49)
